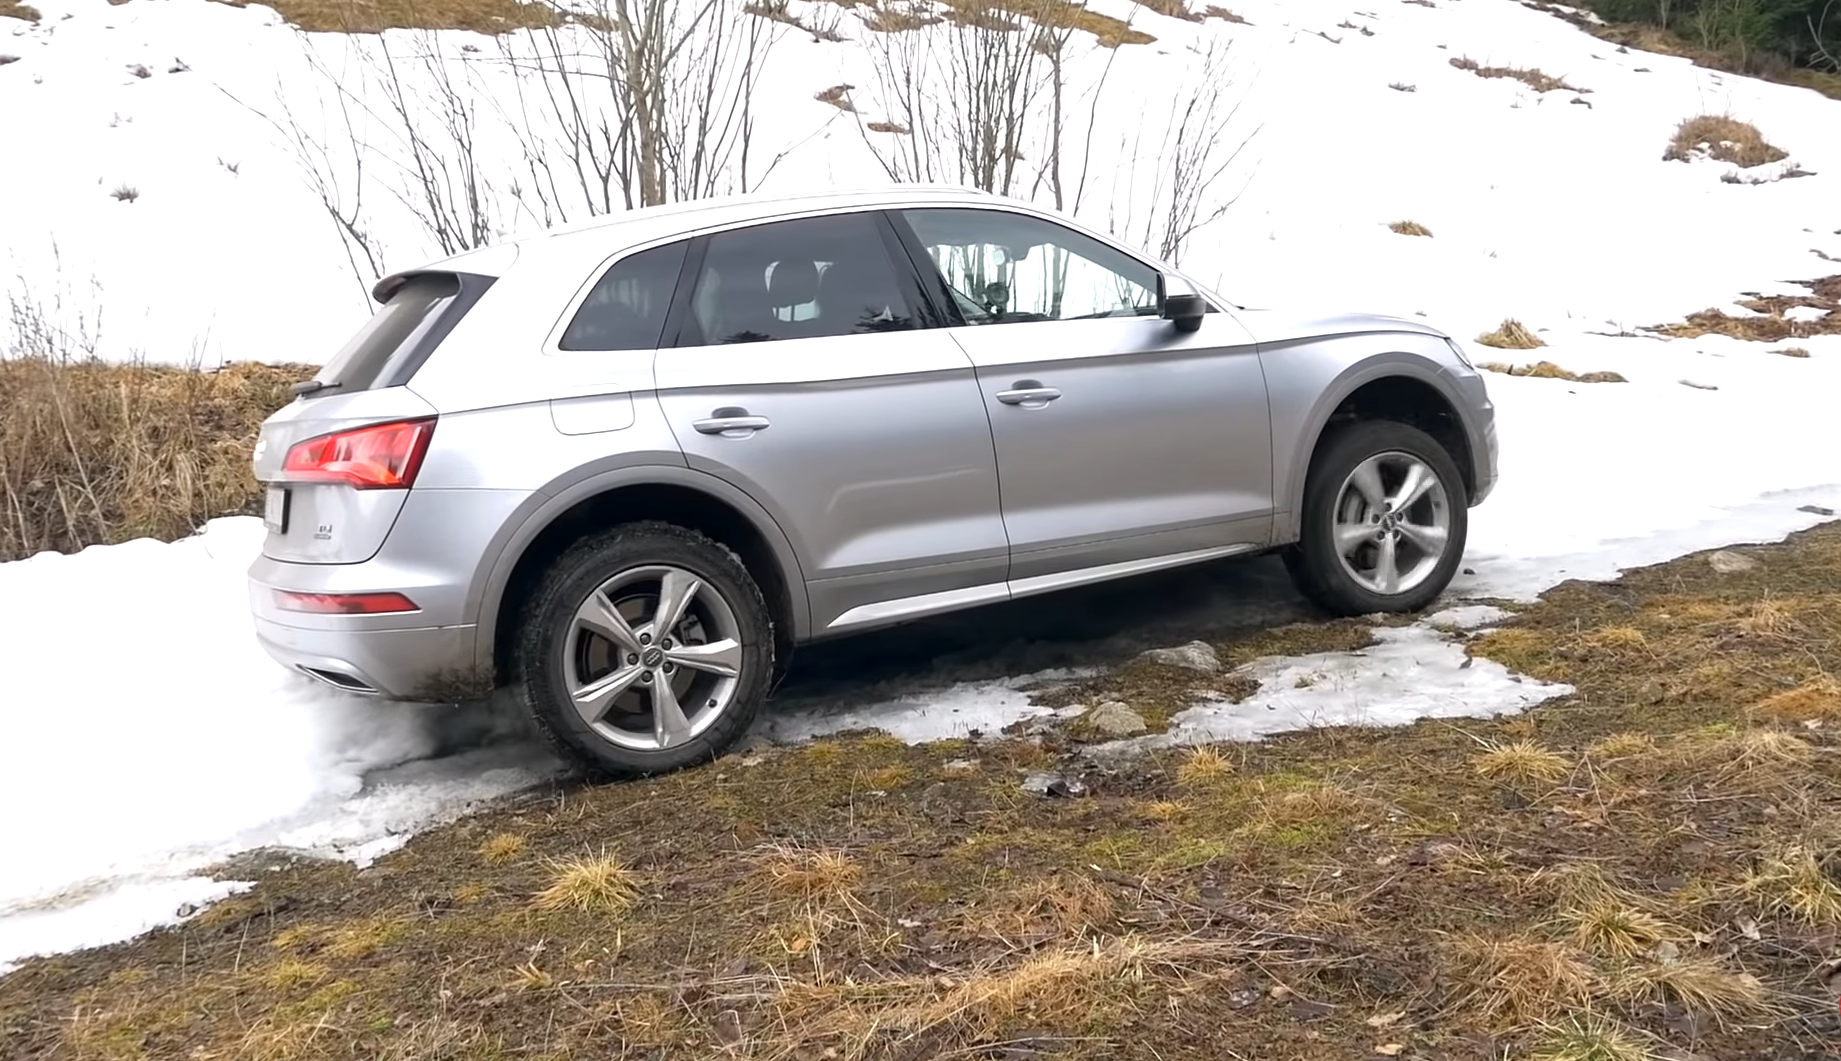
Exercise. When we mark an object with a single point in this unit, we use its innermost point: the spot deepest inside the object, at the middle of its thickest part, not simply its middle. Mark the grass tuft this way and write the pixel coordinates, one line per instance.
(1520, 761)
(1204, 766)
(1519, 981)
(1409, 228)
(1701, 985)
(501, 848)
(1794, 884)
(1724, 139)
(1818, 700)
(1529, 76)
(594, 884)
(1590, 1038)
(1549, 370)
(1511, 334)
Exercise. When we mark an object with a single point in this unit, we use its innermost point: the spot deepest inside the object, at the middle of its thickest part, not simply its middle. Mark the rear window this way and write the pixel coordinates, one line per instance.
(399, 335)
(626, 310)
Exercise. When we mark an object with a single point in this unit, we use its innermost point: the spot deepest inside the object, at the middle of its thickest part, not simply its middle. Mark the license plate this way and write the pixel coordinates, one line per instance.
(275, 509)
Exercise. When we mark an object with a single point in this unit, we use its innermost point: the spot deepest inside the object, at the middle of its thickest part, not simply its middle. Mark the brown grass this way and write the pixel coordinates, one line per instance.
(15, 9)
(1790, 351)
(1511, 334)
(375, 16)
(1549, 370)
(593, 884)
(94, 453)
(1315, 894)
(1723, 138)
(1222, 13)
(1771, 323)
(1409, 228)
(1529, 76)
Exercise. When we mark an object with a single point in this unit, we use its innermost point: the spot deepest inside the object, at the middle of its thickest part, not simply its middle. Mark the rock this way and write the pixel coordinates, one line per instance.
(956, 765)
(1055, 785)
(1196, 655)
(1815, 510)
(1727, 562)
(1114, 719)
(1698, 386)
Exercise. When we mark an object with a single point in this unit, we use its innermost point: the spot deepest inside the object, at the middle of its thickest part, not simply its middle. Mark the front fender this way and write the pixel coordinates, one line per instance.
(1309, 380)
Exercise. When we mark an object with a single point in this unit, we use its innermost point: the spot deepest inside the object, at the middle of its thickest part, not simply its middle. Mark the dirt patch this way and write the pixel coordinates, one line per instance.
(1723, 139)
(93, 452)
(1549, 370)
(1772, 323)
(1529, 76)
(1646, 862)
(375, 16)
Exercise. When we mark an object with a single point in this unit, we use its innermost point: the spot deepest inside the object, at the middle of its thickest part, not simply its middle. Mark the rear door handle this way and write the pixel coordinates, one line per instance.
(1028, 393)
(731, 423)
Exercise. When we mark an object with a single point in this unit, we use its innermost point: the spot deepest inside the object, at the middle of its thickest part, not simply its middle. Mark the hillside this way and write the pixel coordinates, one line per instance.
(1570, 816)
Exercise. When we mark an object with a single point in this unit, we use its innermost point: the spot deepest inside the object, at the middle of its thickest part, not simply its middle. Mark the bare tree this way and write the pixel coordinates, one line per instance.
(963, 98)
(1195, 149)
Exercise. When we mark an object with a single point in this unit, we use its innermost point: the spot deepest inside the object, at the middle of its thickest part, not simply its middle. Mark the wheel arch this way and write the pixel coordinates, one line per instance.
(678, 495)
(1403, 387)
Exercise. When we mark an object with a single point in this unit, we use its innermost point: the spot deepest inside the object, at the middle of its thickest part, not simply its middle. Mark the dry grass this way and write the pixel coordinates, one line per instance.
(1592, 1037)
(1520, 762)
(1529, 76)
(1409, 228)
(1701, 985)
(1770, 322)
(1796, 883)
(94, 453)
(1549, 370)
(375, 16)
(901, 16)
(1790, 351)
(1724, 139)
(593, 884)
(1511, 334)
(1516, 981)
(1263, 901)
(501, 848)
(1818, 700)
(15, 9)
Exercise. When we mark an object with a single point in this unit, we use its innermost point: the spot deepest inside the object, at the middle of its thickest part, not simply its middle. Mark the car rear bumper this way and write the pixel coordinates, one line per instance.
(433, 556)
(429, 664)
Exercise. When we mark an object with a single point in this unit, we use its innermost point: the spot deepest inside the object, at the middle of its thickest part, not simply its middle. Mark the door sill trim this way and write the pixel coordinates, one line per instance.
(902, 609)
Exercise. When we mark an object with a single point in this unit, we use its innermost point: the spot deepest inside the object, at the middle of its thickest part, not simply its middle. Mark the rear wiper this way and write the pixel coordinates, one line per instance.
(312, 386)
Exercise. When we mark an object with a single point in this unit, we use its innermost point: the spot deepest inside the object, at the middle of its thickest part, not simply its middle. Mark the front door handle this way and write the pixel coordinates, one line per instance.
(1028, 393)
(731, 423)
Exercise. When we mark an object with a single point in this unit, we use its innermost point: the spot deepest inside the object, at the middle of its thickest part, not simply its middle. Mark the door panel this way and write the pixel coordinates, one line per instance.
(1118, 438)
(864, 436)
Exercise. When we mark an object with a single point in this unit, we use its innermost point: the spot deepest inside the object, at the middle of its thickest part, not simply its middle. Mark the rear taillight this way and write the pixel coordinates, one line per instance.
(377, 457)
(343, 603)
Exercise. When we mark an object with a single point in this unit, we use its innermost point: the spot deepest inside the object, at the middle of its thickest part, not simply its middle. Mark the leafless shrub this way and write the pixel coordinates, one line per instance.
(125, 193)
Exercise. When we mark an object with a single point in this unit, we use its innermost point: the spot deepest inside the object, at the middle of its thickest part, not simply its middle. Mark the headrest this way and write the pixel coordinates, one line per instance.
(793, 283)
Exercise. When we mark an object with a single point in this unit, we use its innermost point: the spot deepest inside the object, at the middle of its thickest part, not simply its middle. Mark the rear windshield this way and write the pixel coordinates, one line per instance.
(394, 334)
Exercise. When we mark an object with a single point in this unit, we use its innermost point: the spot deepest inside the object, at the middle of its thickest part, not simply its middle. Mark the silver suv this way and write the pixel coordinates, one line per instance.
(624, 468)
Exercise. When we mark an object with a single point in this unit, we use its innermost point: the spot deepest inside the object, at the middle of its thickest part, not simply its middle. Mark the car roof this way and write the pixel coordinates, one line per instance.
(628, 228)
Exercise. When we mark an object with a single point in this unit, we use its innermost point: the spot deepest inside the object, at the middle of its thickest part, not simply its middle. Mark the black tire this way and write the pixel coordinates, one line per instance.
(1313, 562)
(543, 645)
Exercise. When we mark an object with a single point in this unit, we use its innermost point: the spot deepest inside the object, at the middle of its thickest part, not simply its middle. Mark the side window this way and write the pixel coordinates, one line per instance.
(1004, 268)
(626, 309)
(803, 279)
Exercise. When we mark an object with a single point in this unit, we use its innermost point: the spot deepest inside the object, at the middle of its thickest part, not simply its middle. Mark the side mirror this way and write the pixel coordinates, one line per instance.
(1184, 310)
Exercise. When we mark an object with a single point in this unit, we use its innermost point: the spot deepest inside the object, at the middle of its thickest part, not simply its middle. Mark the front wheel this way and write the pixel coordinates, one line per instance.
(1384, 521)
(645, 648)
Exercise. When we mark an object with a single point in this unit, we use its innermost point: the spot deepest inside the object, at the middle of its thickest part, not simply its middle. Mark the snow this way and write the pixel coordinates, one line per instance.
(1554, 208)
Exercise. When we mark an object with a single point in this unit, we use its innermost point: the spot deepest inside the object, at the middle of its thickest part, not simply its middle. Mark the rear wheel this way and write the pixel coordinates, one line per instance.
(1384, 521)
(644, 649)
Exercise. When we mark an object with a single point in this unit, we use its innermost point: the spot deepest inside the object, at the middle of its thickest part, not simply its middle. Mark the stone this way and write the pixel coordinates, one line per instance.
(1196, 655)
(1055, 785)
(1114, 719)
(1727, 562)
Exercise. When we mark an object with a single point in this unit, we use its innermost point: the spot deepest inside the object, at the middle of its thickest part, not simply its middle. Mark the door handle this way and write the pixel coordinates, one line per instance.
(1028, 393)
(731, 423)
